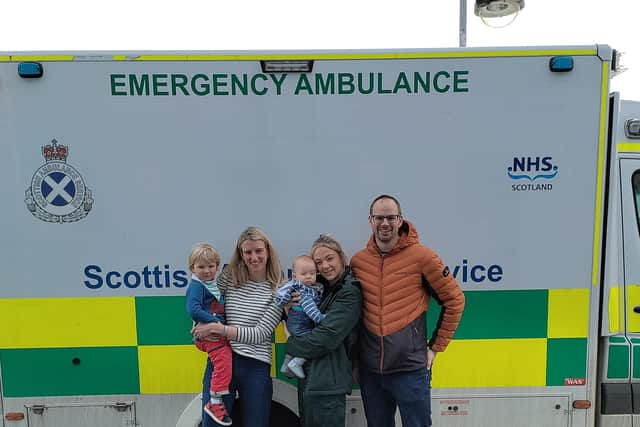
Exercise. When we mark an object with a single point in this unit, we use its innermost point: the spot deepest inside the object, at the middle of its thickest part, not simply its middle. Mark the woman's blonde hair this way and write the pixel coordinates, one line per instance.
(203, 252)
(238, 269)
(329, 242)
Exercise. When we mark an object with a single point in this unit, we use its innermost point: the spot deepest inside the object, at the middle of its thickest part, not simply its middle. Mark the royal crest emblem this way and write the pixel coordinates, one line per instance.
(58, 192)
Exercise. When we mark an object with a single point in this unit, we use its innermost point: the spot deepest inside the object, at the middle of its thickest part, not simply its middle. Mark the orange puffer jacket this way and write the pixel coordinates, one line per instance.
(396, 289)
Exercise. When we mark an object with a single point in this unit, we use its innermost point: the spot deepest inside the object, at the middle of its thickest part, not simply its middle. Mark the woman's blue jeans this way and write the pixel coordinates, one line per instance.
(251, 378)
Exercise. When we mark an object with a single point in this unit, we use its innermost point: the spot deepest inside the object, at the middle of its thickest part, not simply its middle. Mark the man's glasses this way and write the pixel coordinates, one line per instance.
(391, 219)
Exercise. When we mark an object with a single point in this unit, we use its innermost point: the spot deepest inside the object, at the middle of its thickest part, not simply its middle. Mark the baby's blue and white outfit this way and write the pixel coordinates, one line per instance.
(302, 317)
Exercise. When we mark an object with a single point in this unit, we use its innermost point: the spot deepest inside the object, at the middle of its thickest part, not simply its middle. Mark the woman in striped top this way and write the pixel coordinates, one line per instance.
(248, 285)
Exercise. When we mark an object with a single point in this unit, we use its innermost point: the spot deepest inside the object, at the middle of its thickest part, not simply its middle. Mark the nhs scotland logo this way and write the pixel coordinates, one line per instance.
(532, 173)
(58, 192)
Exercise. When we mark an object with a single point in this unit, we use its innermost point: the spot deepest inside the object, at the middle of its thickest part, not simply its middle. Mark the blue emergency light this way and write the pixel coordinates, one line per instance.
(561, 64)
(30, 70)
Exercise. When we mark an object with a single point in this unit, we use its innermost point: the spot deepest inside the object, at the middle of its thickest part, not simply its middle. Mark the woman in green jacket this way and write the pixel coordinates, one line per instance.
(327, 348)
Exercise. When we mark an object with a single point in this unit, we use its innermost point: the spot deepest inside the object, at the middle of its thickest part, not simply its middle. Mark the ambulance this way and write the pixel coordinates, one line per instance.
(517, 165)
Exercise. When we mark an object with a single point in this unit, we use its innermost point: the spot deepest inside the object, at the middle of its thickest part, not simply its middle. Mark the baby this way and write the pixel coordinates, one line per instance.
(304, 316)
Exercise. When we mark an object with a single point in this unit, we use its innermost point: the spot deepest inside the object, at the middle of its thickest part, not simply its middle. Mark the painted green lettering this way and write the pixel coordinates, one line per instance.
(219, 81)
(115, 85)
(402, 83)
(175, 84)
(361, 88)
(159, 81)
(345, 84)
(139, 88)
(380, 88)
(278, 82)
(202, 89)
(236, 84)
(424, 84)
(459, 78)
(254, 80)
(436, 85)
(303, 84)
(325, 87)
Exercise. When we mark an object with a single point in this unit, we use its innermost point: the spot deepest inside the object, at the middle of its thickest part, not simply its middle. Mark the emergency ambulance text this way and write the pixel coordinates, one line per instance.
(228, 84)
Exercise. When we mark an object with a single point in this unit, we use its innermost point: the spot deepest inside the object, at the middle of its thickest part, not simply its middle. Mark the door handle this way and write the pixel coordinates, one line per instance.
(636, 309)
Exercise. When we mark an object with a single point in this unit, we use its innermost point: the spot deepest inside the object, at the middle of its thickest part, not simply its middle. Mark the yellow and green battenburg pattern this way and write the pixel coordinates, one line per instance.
(132, 345)
(616, 309)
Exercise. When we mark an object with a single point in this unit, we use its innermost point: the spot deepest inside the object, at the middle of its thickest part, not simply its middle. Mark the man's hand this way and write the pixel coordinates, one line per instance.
(295, 299)
(431, 356)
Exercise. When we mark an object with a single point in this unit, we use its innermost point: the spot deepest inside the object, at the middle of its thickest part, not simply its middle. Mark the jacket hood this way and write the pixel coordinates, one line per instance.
(408, 236)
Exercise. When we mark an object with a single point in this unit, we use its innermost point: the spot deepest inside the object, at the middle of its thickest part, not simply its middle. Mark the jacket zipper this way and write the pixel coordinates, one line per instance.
(380, 312)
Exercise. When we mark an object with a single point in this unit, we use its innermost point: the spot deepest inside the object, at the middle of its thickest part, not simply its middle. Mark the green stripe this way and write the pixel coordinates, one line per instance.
(52, 372)
(617, 340)
(618, 364)
(566, 359)
(162, 321)
(636, 361)
(499, 314)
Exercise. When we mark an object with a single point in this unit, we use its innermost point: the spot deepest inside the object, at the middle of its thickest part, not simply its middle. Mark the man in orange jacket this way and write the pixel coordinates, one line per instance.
(398, 277)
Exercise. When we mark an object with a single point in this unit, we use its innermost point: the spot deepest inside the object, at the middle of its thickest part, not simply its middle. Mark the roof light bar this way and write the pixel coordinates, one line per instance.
(286, 66)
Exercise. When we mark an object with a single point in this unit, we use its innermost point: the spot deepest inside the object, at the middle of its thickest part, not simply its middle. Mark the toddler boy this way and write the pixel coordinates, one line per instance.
(205, 304)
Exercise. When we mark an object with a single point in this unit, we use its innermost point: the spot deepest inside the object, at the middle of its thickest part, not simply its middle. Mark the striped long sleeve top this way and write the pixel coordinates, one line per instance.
(252, 310)
(310, 296)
